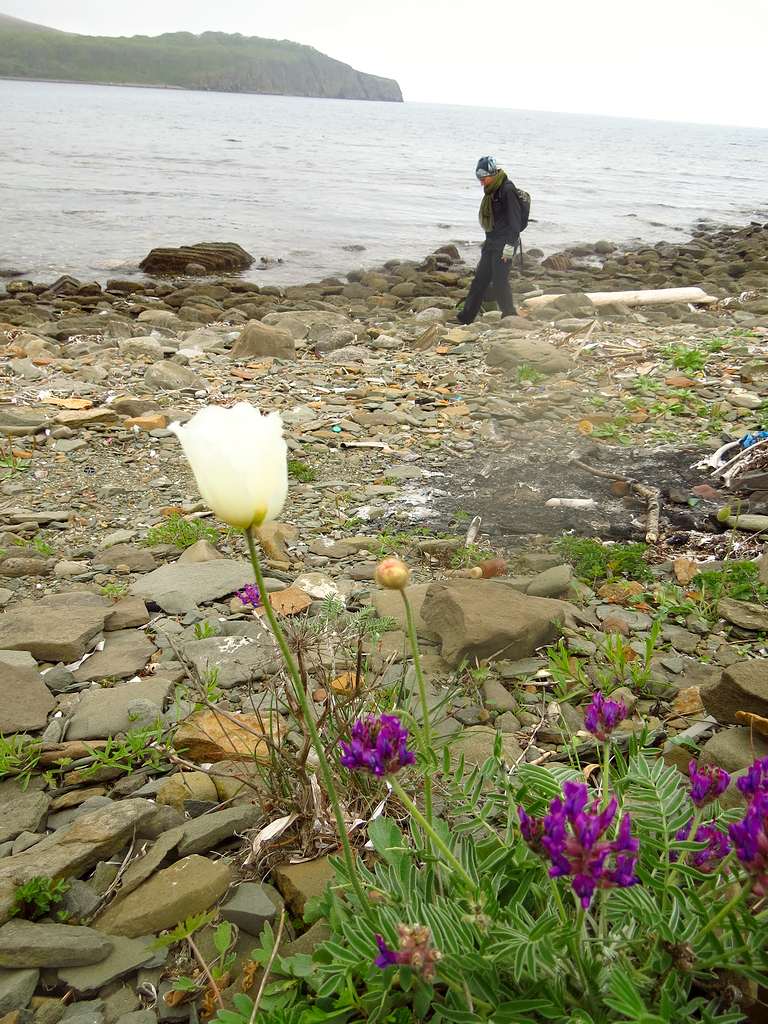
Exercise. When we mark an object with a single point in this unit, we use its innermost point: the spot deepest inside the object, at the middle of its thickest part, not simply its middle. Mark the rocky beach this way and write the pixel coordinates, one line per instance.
(137, 671)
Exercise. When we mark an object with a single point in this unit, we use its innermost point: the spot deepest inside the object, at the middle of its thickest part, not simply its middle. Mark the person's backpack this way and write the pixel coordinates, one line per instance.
(525, 205)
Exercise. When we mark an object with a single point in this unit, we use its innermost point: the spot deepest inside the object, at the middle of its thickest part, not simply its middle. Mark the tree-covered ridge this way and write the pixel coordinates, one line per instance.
(214, 60)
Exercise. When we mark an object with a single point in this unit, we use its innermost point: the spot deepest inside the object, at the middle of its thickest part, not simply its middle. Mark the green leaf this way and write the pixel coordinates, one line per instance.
(388, 841)
(624, 997)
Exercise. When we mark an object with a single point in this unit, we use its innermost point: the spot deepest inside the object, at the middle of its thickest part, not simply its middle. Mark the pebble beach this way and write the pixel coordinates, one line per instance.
(119, 591)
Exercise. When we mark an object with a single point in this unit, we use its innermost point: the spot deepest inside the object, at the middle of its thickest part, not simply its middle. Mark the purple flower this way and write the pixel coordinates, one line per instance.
(750, 840)
(376, 746)
(706, 860)
(571, 837)
(755, 781)
(707, 785)
(603, 716)
(414, 951)
(250, 594)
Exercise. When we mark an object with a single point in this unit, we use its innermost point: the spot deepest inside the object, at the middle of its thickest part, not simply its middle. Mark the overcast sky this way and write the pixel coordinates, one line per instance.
(680, 60)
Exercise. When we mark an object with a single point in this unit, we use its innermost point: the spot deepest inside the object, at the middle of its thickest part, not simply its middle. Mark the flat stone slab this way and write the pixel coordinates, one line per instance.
(25, 700)
(125, 653)
(42, 944)
(137, 559)
(17, 988)
(126, 957)
(190, 886)
(181, 588)
(24, 813)
(237, 659)
(203, 833)
(103, 712)
(50, 633)
(250, 908)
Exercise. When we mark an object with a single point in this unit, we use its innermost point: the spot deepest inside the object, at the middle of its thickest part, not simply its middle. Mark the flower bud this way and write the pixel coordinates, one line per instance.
(392, 574)
(723, 514)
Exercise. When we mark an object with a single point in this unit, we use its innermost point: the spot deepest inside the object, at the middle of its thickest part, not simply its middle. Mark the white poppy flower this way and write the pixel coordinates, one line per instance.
(240, 462)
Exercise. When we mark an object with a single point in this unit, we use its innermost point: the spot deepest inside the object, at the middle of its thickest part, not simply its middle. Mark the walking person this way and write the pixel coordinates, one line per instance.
(501, 218)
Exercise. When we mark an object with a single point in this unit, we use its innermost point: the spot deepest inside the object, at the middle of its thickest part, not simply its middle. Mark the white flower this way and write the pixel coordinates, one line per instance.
(240, 462)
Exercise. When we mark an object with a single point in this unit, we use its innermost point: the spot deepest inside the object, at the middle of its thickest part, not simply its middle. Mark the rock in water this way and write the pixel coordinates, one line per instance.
(213, 257)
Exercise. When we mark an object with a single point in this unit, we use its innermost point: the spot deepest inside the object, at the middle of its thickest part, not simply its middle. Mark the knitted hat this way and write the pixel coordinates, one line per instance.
(486, 167)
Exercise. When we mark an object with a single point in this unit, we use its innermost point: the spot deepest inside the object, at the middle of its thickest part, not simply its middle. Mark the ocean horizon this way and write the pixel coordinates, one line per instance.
(92, 177)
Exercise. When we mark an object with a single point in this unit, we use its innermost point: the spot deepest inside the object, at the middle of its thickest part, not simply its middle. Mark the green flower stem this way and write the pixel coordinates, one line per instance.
(606, 772)
(430, 832)
(325, 769)
(425, 728)
(715, 921)
(558, 899)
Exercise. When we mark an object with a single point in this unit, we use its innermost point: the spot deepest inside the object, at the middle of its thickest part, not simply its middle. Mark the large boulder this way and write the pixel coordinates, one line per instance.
(529, 352)
(479, 619)
(259, 340)
(742, 687)
(213, 257)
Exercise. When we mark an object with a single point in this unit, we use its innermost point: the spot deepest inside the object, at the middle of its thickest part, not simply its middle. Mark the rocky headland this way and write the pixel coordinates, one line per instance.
(214, 61)
(125, 613)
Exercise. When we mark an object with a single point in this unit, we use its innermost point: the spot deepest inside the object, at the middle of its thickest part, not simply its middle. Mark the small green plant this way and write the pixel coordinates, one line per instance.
(19, 757)
(204, 630)
(301, 471)
(181, 532)
(36, 897)
(715, 345)
(212, 973)
(526, 372)
(115, 591)
(593, 561)
(12, 463)
(468, 555)
(139, 748)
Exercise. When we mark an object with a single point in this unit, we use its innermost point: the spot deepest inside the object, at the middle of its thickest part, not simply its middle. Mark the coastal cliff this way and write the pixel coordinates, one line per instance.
(214, 61)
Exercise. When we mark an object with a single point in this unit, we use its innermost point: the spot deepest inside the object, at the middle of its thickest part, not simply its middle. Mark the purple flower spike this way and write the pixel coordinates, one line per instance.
(571, 837)
(250, 595)
(750, 840)
(603, 716)
(708, 859)
(755, 781)
(377, 746)
(707, 785)
(414, 951)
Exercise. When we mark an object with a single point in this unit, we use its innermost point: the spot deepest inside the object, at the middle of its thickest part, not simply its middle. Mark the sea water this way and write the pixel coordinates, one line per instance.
(92, 177)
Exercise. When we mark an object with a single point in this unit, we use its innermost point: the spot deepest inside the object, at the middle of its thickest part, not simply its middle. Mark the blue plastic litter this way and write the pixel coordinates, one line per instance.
(749, 439)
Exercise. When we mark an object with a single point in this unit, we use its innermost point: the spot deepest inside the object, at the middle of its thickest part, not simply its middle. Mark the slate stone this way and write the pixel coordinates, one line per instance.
(126, 957)
(129, 613)
(733, 749)
(167, 376)
(297, 883)
(137, 559)
(258, 339)
(50, 633)
(25, 813)
(25, 700)
(74, 850)
(17, 988)
(190, 886)
(250, 908)
(202, 834)
(742, 687)
(178, 589)
(238, 659)
(63, 818)
(42, 944)
(125, 654)
(103, 712)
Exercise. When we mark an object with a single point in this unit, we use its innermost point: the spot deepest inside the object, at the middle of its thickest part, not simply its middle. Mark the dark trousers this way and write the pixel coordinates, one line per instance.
(490, 270)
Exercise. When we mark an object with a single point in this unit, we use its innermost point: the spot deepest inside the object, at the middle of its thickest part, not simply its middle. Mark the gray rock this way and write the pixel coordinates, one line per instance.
(497, 697)
(126, 957)
(166, 376)
(58, 678)
(477, 742)
(129, 613)
(202, 834)
(79, 901)
(479, 619)
(17, 988)
(554, 582)
(181, 588)
(50, 632)
(40, 944)
(507, 723)
(743, 613)
(125, 654)
(24, 813)
(237, 659)
(137, 1017)
(733, 749)
(25, 700)
(142, 347)
(250, 908)
(104, 712)
(137, 559)
(120, 1003)
(190, 886)
(681, 639)
(63, 818)
(742, 687)
(76, 849)
(260, 339)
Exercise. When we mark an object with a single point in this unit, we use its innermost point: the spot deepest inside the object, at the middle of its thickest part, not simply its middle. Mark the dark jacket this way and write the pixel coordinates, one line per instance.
(506, 218)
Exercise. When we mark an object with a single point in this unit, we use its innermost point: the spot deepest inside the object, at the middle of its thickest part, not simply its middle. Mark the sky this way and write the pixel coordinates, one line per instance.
(672, 60)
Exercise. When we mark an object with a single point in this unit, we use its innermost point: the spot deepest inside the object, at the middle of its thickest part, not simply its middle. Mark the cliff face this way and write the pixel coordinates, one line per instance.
(213, 60)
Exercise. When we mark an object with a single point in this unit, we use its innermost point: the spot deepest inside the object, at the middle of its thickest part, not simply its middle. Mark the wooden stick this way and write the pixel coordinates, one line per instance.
(639, 297)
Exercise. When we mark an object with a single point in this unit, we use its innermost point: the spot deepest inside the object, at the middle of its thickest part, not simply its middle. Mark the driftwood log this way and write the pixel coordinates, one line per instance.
(641, 297)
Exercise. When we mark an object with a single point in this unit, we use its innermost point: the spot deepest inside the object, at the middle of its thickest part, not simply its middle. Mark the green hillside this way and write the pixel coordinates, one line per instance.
(214, 60)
